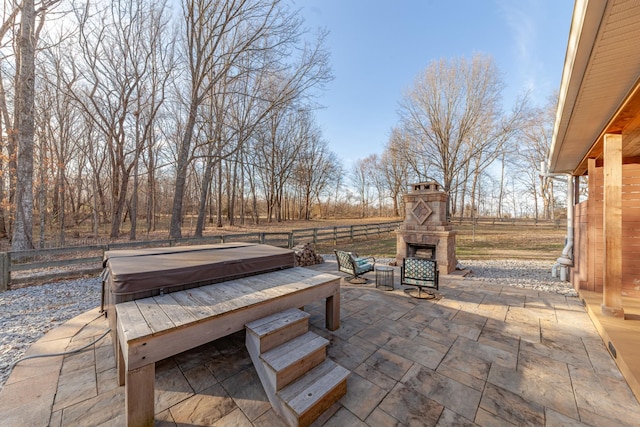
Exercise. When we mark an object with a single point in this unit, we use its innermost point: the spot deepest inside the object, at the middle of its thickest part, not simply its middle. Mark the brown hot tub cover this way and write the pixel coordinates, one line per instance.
(130, 272)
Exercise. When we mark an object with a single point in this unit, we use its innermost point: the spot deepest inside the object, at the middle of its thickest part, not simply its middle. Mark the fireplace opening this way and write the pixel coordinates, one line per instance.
(421, 251)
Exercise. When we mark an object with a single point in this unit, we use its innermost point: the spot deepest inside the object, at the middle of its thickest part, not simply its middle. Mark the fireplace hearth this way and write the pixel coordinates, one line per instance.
(426, 231)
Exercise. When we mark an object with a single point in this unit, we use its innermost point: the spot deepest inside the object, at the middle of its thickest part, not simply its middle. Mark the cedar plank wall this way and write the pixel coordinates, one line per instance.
(630, 232)
(596, 226)
(579, 274)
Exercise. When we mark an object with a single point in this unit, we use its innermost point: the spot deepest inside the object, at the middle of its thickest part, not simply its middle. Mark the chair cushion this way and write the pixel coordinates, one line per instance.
(420, 269)
(363, 268)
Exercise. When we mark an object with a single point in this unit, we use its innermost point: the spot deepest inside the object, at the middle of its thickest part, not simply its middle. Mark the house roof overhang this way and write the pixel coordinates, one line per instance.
(599, 92)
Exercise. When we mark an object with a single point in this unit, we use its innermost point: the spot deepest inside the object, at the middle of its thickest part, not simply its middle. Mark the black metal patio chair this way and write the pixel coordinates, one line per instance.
(420, 273)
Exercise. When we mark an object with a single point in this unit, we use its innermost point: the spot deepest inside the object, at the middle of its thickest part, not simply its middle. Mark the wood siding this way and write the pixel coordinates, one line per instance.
(589, 241)
(579, 273)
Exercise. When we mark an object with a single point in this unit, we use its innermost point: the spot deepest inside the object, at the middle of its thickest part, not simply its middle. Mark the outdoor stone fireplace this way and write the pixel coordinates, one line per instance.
(426, 232)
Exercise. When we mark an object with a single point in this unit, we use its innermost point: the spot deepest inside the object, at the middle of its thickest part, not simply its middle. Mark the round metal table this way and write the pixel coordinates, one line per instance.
(384, 278)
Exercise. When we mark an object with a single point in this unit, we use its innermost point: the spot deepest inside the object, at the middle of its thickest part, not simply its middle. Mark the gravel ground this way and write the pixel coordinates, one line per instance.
(520, 274)
(26, 314)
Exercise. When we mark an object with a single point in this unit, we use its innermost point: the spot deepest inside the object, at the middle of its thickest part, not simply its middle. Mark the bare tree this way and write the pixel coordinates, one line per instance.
(535, 142)
(377, 177)
(119, 80)
(315, 169)
(453, 115)
(24, 124)
(216, 35)
(360, 178)
(395, 167)
(11, 11)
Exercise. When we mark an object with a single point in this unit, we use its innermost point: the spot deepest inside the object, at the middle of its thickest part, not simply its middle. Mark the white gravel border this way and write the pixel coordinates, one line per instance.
(26, 314)
(526, 274)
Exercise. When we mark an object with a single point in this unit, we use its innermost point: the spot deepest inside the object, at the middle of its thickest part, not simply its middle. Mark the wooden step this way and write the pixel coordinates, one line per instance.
(308, 397)
(277, 329)
(292, 359)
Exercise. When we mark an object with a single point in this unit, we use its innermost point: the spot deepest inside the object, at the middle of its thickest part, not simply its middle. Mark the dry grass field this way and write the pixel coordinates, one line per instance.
(506, 241)
(486, 241)
(522, 240)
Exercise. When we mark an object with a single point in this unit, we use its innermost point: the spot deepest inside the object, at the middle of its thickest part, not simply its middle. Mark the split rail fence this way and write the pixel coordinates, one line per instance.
(41, 265)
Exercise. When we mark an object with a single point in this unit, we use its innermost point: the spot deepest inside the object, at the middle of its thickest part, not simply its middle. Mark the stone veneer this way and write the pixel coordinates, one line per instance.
(426, 225)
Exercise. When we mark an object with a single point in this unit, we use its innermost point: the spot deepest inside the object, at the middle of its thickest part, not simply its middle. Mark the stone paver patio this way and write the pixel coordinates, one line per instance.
(480, 355)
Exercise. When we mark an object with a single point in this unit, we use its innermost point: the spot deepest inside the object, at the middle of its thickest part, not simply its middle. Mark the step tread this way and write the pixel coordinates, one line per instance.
(284, 355)
(303, 393)
(275, 322)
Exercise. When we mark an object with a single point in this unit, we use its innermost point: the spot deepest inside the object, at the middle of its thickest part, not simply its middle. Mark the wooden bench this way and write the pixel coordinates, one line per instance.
(155, 328)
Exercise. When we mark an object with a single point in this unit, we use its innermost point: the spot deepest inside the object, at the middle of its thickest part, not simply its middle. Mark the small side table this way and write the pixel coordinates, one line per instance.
(384, 278)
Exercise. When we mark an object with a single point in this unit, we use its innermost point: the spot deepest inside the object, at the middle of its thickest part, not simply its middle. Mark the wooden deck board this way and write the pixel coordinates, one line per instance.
(154, 328)
(190, 304)
(155, 316)
(130, 315)
(178, 313)
(231, 296)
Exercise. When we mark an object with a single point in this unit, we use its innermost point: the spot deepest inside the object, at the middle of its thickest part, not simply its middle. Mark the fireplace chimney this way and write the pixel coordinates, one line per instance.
(426, 231)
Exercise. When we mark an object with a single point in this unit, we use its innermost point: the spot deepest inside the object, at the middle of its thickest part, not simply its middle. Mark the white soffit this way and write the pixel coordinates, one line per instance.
(602, 65)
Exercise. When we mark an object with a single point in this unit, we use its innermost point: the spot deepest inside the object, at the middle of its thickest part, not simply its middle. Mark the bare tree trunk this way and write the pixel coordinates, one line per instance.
(151, 190)
(242, 207)
(234, 193)
(204, 191)
(475, 187)
(133, 209)
(219, 196)
(119, 198)
(23, 231)
(212, 185)
(42, 197)
(501, 194)
(254, 199)
(175, 228)
(96, 209)
(229, 191)
(3, 211)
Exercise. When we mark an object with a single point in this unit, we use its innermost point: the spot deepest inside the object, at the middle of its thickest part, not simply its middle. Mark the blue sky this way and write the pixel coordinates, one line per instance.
(379, 46)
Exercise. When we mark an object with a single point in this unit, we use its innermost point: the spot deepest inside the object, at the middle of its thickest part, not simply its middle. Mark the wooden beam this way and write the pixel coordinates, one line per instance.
(612, 212)
(624, 121)
(332, 311)
(625, 160)
(139, 396)
(591, 228)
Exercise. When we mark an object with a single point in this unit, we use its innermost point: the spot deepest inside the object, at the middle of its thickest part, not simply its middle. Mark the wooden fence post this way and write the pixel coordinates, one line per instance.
(315, 236)
(5, 272)
(290, 242)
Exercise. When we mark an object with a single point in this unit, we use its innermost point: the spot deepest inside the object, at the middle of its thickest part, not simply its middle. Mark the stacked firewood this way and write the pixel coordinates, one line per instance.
(306, 255)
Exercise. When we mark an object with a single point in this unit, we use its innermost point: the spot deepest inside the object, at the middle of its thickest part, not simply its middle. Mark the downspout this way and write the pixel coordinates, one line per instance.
(566, 257)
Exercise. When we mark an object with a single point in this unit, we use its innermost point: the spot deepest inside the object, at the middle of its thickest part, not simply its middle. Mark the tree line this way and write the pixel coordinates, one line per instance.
(452, 130)
(132, 110)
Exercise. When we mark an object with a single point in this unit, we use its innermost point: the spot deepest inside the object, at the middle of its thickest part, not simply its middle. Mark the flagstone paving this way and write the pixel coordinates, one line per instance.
(479, 355)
